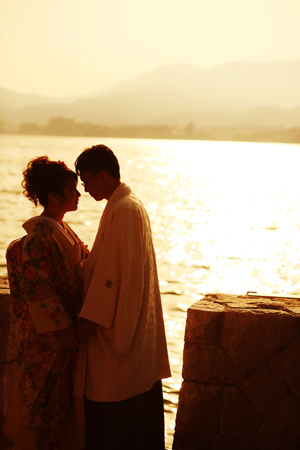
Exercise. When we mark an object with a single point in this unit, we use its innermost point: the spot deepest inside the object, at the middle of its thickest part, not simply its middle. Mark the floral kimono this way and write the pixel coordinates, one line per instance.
(46, 297)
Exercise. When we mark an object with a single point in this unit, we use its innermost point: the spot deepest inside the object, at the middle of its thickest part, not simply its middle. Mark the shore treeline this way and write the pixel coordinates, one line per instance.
(61, 126)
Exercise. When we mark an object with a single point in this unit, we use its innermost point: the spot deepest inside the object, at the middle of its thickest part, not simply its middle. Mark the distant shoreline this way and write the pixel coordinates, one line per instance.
(61, 126)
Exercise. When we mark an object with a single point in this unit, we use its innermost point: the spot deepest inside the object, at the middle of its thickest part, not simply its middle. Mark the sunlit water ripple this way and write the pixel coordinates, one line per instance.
(225, 218)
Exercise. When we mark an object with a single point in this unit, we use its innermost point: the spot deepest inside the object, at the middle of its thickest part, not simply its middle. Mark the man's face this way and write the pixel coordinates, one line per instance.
(94, 184)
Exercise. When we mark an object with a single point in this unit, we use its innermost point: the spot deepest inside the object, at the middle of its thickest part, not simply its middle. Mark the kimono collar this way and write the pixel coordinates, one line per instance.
(121, 191)
(118, 193)
(31, 223)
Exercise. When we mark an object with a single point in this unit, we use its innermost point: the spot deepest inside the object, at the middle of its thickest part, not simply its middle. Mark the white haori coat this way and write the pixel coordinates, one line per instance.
(129, 352)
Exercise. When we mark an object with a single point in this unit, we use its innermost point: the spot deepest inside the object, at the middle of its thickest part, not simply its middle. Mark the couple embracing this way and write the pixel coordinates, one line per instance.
(91, 340)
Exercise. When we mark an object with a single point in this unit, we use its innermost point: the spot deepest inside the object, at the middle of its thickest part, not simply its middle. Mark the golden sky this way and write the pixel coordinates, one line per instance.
(73, 47)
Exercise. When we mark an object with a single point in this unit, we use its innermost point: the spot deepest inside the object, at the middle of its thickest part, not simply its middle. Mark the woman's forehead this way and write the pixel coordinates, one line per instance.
(71, 182)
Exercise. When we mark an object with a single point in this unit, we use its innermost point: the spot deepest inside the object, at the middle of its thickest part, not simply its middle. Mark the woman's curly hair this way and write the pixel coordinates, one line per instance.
(42, 177)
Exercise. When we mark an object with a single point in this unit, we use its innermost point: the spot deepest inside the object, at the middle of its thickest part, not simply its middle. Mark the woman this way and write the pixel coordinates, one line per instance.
(46, 297)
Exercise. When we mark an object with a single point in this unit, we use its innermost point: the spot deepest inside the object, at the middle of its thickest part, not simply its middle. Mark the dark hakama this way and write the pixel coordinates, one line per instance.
(133, 424)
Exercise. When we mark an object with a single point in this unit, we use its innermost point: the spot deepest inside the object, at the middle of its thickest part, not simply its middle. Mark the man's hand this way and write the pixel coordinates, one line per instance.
(68, 338)
(85, 330)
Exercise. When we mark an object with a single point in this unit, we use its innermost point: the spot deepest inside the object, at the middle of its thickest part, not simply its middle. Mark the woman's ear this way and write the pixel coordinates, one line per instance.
(54, 199)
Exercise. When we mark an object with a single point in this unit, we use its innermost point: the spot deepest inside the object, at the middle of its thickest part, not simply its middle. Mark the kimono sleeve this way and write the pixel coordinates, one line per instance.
(101, 297)
(40, 261)
(115, 295)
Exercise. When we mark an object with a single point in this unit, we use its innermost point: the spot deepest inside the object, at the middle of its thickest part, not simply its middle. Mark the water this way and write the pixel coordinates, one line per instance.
(225, 218)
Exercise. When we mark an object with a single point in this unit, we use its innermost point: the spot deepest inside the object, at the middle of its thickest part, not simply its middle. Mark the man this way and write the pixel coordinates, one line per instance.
(124, 354)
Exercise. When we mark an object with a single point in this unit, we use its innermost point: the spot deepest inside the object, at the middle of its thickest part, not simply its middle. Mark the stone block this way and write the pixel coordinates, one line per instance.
(199, 409)
(203, 323)
(237, 418)
(252, 337)
(286, 364)
(263, 389)
(281, 430)
(8, 365)
(208, 364)
(187, 440)
(241, 365)
(4, 327)
(194, 441)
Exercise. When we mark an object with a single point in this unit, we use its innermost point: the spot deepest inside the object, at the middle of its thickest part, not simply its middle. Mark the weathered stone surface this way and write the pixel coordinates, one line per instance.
(8, 365)
(4, 283)
(4, 300)
(263, 389)
(243, 424)
(186, 440)
(3, 340)
(255, 303)
(281, 430)
(193, 441)
(203, 325)
(287, 365)
(208, 364)
(251, 337)
(199, 409)
(224, 443)
(246, 349)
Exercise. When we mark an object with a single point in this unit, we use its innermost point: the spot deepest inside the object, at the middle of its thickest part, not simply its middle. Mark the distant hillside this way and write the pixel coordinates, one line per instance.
(17, 100)
(238, 85)
(260, 94)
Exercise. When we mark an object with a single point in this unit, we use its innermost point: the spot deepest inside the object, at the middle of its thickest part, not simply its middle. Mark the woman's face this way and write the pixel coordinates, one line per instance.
(70, 196)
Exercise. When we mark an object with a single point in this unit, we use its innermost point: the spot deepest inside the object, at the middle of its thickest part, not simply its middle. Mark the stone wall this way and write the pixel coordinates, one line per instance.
(8, 364)
(241, 375)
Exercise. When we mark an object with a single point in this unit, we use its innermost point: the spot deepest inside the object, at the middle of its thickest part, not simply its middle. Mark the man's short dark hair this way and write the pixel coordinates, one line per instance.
(97, 158)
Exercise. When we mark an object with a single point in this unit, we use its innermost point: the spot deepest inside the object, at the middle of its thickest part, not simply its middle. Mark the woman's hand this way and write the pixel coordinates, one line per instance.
(68, 338)
(79, 271)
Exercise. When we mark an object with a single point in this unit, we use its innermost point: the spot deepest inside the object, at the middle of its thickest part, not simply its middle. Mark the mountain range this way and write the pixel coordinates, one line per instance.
(233, 94)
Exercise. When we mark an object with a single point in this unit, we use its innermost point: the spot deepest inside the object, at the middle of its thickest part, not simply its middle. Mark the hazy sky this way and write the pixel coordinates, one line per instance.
(73, 47)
